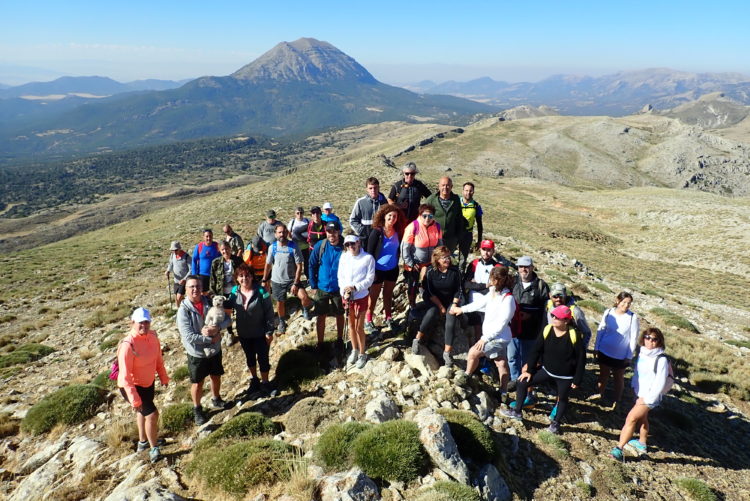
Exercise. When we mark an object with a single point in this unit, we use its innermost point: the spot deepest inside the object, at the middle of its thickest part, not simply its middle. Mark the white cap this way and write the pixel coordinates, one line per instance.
(327, 205)
(141, 315)
(350, 239)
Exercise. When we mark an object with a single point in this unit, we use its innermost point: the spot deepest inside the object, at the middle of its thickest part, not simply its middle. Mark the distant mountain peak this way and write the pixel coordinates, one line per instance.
(304, 60)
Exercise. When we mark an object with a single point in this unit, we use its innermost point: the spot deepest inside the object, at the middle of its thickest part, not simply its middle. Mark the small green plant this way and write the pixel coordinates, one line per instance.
(587, 490)
(674, 319)
(69, 405)
(24, 354)
(591, 305)
(456, 491)
(176, 418)
(473, 438)
(246, 424)
(558, 445)
(601, 286)
(310, 414)
(696, 489)
(102, 381)
(108, 344)
(297, 366)
(180, 373)
(334, 447)
(391, 451)
(740, 344)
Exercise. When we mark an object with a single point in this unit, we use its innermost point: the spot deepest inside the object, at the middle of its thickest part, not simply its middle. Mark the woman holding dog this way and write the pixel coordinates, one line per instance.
(139, 360)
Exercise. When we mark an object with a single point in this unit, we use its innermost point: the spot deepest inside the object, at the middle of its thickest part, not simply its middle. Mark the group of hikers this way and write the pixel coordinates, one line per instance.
(527, 331)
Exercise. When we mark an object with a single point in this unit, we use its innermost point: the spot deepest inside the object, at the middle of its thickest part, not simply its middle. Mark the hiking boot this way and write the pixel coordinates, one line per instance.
(638, 448)
(415, 346)
(554, 428)
(220, 403)
(281, 329)
(154, 454)
(448, 359)
(199, 416)
(528, 403)
(268, 389)
(144, 446)
(253, 386)
(512, 414)
(369, 327)
(361, 361)
(306, 314)
(553, 414)
(352, 357)
(616, 453)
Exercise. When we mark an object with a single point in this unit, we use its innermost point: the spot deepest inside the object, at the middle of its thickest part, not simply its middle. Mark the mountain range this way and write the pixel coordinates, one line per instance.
(294, 89)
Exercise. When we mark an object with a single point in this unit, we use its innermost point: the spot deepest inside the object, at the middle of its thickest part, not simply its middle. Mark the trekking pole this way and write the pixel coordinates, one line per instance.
(169, 291)
(346, 322)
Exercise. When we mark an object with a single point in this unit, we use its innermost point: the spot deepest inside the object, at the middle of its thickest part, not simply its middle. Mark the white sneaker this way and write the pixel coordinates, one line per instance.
(352, 357)
(361, 361)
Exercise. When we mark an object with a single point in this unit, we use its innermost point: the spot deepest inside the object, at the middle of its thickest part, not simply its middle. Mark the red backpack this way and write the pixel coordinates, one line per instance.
(515, 322)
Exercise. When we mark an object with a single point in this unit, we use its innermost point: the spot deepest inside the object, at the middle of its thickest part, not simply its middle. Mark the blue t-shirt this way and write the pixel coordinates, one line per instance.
(388, 258)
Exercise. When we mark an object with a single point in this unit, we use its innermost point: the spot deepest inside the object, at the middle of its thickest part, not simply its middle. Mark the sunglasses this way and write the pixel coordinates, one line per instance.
(558, 296)
(350, 244)
(410, 173)
(428, 216)
(300, 212)
(559, 318)
(650, 338)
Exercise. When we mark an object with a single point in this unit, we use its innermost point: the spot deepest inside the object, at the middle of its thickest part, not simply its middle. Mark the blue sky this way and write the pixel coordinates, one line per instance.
(398, 42)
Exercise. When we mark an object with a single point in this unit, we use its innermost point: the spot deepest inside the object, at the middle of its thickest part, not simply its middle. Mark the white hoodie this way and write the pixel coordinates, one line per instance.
(646, 383)
(498, 309)
(358, 271)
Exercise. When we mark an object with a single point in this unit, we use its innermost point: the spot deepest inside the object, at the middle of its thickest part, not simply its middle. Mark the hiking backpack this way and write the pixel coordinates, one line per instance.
(515, 322)
(571, 332)
(114, 370)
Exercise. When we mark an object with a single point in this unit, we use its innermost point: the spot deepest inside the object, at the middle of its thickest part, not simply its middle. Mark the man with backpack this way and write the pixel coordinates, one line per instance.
(472, 213)
(179, 265)
(558, 295)
(329, 217)
(316, 228)
(365, 208)
(409, 192)
(324, 285)
(448, 213)
(531, 293)
(203, 255)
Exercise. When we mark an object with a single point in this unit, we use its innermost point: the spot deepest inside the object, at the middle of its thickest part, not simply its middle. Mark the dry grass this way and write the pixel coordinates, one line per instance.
(121, 433)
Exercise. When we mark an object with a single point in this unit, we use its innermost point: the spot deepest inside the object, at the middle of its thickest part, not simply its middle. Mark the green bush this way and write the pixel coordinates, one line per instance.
(297, 366)
(739, 344)
(456, 491)
(181, 373)
(601, 286)
(236, 468)
(473, 438)
(176, 418)
(696, 489)
(591, 305)
(310, 414)
(391, 451)
(69, 405)
(674, 319)
(108, 345)
(102, 381)
(334, 448)
(558, 445)
(246, 424)
(25, 354)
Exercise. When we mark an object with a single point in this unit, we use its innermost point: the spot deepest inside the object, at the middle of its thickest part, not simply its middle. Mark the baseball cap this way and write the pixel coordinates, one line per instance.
(524, 261)
(140, 315)
(332, 227)
(350, 239)
(487, 244)
(175, 245)
(271, 213)
(255, 243)
(561, 312)
(327, 205)
(558, 289)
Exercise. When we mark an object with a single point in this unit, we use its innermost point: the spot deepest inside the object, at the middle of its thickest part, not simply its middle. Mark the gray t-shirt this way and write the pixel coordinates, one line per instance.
(180, 267)
(267, 231)
(284, 259)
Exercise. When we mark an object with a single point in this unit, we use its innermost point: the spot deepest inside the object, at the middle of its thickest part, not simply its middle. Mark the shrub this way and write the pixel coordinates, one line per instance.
(601, 286)
(456, 491)
(176, 418)
(236, 468)
(297, 366)
(391, 451)
(309, 414)
(108, 344)
(25, 354)
(8, 425)
(180, 373)
(246, 424)
(334, 448)
(696, 489)
(587, 490)
(102, 381)
(558, 445)
(473, 438)
(69, 405)
(739, 344)
(674, 319)
(591, 305)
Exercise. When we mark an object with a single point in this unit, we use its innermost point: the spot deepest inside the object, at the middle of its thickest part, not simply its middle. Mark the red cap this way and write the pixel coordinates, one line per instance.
(487, 244)
(562, 312)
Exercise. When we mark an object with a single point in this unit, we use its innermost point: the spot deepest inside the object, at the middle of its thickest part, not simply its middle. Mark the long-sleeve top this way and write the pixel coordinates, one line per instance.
(139, 359)
(445, 286)
(532, 299)
(409, 196)
(617, 335)
(218, 281)
(358, 271)
(646, 382)
(298, 232)
(579, 317)
(363, 213)
(324, 269)
(419, 242)
(559, 356)
(203, 256)
(498, 309)
(235, 243)
(190, 323)
(254, 312)
(451, 217)
(179, 266)
(332, 218)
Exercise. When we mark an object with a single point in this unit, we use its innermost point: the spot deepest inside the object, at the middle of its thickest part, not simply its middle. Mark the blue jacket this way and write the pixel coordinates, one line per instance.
(324, 269)
(332, 218)
(203, 255)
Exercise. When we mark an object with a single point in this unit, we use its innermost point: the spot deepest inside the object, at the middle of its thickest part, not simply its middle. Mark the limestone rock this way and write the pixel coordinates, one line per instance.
(492, 486)
(352, 485)
(381, 408)
(425, 363)
(38, 483)
(42, 457)
(440, 445)
(390, 354)
(147, 491)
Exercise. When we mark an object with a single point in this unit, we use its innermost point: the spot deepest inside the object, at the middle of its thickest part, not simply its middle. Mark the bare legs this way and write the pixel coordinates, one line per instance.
(637, 417)
(618, 375)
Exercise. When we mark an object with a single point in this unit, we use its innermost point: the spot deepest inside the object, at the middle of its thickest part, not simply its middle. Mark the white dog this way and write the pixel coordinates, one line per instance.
(215, 316)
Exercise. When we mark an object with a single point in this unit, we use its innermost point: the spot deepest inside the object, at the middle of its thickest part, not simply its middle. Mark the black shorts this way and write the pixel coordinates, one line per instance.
(147, 399)
(179, 289)
(199, 368)
(386, 275)
(256, 348)
(205, 282)
(612, 363)
(280, 290)
(328, 303)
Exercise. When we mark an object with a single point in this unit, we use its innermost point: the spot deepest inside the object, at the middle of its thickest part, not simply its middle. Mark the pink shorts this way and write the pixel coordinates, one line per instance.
(358, 306)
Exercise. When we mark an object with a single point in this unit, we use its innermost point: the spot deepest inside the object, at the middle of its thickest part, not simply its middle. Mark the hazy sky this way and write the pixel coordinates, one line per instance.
(399, 42)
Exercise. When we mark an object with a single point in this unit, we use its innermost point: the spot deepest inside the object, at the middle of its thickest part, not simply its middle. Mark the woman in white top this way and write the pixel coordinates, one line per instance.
(615, 342)
(499, 306)
(355, 276)
(649, 381)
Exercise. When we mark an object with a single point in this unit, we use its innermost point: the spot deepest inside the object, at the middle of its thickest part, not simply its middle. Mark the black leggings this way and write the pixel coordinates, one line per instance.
(563, 391)
(256, 348)
(431, 315)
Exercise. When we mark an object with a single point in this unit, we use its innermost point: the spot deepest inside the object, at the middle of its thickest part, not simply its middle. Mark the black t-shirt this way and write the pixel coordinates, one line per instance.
(408, 197)
(445, 286)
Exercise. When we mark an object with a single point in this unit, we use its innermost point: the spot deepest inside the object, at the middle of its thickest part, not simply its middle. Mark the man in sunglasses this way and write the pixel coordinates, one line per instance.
(407, 194)
(558, 295)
